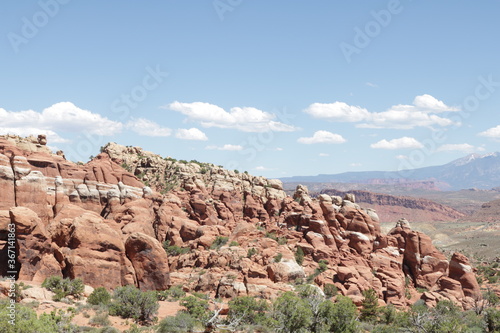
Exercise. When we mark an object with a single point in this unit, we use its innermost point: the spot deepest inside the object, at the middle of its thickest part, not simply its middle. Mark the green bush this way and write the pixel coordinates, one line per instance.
(251, 251)
(64, 287)
(299, 255)
(234, 243)
(180, 323)
(291, 314)
(492, 318)
(278, 257)
(174, 250)
(248, 311)
(370, 308)
(323, 265)
(196, 307)
(100, 319)
(99, 296)
(219, 242)
(172, 294)
(130, 302)
(26, 320)
(282, 240)
(330, 290)
(340, 316)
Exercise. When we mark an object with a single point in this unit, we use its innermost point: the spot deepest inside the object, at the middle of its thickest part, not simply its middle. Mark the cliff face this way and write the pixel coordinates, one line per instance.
(226, 233)
(391, 208)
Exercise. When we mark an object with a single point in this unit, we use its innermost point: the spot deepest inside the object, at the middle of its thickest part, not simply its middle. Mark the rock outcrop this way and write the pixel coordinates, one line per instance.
(207, 229)
(392, 207)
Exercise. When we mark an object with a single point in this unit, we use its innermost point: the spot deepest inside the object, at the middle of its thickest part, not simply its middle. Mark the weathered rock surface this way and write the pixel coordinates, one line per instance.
(225, 232)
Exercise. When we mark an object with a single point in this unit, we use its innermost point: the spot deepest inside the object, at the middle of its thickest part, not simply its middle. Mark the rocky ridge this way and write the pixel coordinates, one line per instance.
(226, 233)
(392, 207)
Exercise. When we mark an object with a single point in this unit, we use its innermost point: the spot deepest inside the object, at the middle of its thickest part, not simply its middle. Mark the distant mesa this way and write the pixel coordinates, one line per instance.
(472, 171)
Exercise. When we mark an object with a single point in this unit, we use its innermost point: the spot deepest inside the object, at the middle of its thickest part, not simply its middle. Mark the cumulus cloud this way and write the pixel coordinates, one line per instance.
(432, 104)
(422, 113)
(225, 147)
(246, 119)
(147, 127)
(323, 155)
(191, 134)
(493, 132)
(462, 147)
(60, 117)
(400, 118)
(66, 116)
(322, 137)
(337, 111)
(401, 143)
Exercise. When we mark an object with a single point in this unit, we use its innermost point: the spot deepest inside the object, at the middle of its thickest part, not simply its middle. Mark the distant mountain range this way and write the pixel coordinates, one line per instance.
(472, 171)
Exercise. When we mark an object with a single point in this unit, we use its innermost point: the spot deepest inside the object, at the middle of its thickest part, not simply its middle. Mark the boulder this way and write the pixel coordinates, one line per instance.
(149, 260)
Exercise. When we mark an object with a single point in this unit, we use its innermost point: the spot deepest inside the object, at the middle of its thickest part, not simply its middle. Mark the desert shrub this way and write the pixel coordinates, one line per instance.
(100, 319)
(492, 318)
(180, 323)
(323, 265)
(174, 250)
(99, 296)
(370, 308)
(248, 310)
(196, 307)
(109, 329)
(299, 255)
(278, 257)
(251, 251)
(234, 243)
(330, 290)
(271, 235)
(130, 302)
(291, 314)
(64, 287)
(282, 240)
(26, 320)
(172, 294)
(219, 242)
(340, 316)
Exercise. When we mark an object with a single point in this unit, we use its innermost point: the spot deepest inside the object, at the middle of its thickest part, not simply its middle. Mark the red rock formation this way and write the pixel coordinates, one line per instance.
(99, 223)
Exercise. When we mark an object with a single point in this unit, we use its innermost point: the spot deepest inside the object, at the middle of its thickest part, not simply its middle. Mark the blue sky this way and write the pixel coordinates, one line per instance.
(277, 88)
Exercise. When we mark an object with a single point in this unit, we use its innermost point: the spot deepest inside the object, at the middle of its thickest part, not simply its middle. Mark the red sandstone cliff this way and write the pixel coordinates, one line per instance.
(98, 222)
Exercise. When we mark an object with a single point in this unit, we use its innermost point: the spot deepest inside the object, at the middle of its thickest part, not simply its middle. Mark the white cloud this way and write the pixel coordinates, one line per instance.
(463, 147)
(373, 85)
(422, 113)
(245, 119)
(401, 143)
(493, 133)
(60, 117)
(261, 168)
(66, 116)
(402, 157)
(432, 104)
(323, 154)
(191, 134)
(399, 117)
(322, 137)
(337, 111)
(225, 147)
(355, 164)
(278, 149)
(147, 127)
